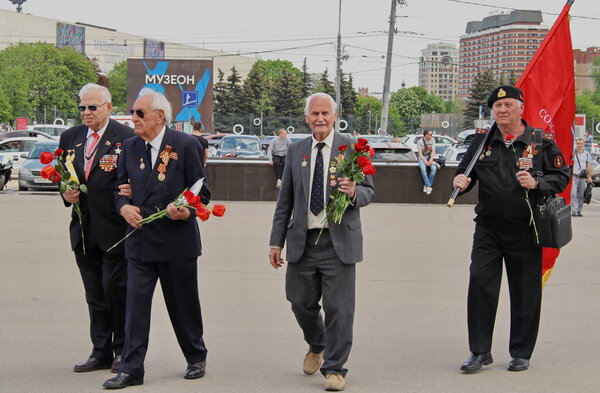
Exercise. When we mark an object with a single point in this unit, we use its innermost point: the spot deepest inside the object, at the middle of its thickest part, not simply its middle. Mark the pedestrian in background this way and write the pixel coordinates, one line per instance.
(428, 167)
(589, 141)
(196, 131)
(582, 175)
(276, 153)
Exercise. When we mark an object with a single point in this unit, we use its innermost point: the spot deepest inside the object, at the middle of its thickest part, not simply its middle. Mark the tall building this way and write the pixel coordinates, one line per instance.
(503, 43)
(438, 70)
(584, 67)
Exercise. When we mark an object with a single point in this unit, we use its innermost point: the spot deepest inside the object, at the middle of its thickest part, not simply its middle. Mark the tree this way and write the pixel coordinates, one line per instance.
(38, 77)
(117, 78)
(307, 85)
(484, 84)
(287, 94)
(348, 95)
(325, 85)
(5, 108)
(234, 96)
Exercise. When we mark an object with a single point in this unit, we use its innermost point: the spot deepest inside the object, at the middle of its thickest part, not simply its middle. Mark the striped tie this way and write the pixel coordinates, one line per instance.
(91, 153)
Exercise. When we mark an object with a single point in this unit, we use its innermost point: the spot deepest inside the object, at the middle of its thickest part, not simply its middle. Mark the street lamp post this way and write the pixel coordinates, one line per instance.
(338, 78)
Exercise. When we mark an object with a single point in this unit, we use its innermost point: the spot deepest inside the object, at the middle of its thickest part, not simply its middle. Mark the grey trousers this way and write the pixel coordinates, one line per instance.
(321, 274)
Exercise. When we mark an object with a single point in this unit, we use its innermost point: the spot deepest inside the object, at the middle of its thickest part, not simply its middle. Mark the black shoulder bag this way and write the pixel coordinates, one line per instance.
(551, 214)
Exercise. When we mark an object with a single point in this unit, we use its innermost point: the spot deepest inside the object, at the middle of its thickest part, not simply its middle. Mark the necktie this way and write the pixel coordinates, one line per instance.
(317, 191)
(149, 155)
(91, 152)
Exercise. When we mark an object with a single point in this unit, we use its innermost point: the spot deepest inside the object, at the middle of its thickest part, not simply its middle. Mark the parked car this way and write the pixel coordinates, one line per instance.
(392, 151)
(596, 173)
(15, 147)
(247, 146)
(442, 142)
(29, 174)
(51, 129)
(455, 152)
(377, 138)
(26, 133)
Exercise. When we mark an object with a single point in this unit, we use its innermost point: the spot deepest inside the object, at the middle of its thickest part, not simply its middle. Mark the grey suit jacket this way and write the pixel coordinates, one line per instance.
(290, 220)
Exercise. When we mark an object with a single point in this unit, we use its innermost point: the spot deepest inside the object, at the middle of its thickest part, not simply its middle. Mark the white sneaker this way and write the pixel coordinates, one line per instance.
(429, 189)
(278, 185)
(424, 189)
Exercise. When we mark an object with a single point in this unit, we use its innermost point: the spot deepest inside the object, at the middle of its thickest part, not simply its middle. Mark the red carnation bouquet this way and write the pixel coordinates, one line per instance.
(188, 198)
(63, 172)
(354, 167)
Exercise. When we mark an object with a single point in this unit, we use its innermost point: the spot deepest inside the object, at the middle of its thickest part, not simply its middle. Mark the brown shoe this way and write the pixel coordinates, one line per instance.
(334, 383)
(312, 362)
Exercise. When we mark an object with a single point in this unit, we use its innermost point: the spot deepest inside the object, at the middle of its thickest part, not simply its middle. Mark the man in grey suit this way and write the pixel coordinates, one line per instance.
(325, 268)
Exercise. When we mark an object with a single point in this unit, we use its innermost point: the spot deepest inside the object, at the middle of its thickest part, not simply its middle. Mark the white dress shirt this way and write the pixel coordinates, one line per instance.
(319, 221)
(155, 143)
(89, 140)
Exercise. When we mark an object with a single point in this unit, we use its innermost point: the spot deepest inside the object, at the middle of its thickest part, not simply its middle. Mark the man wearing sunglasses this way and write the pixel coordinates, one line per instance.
(159, 163)
(94, 148)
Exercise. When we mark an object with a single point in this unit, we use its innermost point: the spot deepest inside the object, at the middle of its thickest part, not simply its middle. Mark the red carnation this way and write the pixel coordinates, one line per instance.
(218, 210)
(363, 141)
(369, 170)
(359, 147)
(509, 137)
(343, 147)
(46, 157)
(47, 171)
(363, 161)
(203, 213)
(58, 152)
(371, 152)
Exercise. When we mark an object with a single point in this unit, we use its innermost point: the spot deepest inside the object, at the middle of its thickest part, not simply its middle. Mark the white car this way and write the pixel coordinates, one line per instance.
(53, 130)
(17, 149)
(442, 142)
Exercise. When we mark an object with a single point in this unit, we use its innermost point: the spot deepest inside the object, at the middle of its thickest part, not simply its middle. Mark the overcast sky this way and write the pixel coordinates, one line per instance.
(293, 30)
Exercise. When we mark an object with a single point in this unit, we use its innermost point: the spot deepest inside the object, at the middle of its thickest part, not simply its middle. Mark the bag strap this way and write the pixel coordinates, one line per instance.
(537, 138)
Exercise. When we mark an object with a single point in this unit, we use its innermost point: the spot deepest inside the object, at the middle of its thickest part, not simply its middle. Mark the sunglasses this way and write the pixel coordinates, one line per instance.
(92, 108)
(140, 113)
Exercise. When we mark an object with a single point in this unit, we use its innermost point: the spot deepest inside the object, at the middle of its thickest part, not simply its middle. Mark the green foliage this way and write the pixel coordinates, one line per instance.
(589, 104)
(325, 85)
(5, 108)
(287, 94)
(348, 95)
(484, 84)
(118, 86)
(307, 86)
(37, 77)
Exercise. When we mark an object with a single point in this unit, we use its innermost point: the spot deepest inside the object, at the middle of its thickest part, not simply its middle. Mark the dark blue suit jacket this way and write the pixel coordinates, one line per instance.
(163, 239)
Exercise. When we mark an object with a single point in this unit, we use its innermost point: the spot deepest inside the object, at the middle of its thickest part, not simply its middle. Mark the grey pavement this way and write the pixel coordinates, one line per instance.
(410, 327)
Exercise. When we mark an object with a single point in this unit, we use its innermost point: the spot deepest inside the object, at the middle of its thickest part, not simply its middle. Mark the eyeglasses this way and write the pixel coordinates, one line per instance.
(92, 108)
(140, 113)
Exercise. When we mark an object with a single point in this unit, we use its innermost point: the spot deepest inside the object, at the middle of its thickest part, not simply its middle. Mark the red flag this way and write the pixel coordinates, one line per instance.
(548, 85)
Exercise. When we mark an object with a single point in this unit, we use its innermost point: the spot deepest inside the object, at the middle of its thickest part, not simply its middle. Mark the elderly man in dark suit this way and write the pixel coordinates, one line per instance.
(94, 148)
(159, 164)
(325, 268)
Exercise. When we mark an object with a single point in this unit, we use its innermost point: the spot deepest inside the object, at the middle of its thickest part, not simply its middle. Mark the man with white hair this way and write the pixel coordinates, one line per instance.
(94, 148)
(514, 171)
(158, 164)
(324, 269)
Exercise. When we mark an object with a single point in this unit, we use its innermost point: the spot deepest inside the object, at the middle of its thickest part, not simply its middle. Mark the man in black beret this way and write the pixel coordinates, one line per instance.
(510, 182)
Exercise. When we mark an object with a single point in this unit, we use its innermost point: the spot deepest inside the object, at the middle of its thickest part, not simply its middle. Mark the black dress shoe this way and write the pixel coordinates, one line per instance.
(91, 364)
(116, 364)
(518, 364)
(476, 361)
(195, 370)
(122, 380)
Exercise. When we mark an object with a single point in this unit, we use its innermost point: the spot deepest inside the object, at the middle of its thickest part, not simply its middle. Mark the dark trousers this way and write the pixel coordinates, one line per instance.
(512, 242)
(321, 274)
(278, 164)
(179, 282)
(104, 278)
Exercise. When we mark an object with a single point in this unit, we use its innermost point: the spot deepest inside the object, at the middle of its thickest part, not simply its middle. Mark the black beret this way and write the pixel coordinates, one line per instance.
(505, 92)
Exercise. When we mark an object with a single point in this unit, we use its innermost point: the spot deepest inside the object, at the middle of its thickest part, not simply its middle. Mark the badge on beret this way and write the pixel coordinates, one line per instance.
(558, 161)
(501, 93)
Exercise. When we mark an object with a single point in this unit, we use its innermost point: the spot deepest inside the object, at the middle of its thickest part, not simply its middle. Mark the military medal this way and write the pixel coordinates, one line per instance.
(162, 168)
(118, 149)
(525, 163)
(70, 155)
(107, 143)
(332, 183)
(304, 163)
(142, 165)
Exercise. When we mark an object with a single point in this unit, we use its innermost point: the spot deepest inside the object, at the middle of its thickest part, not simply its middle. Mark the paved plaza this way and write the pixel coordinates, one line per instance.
(410, 328)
